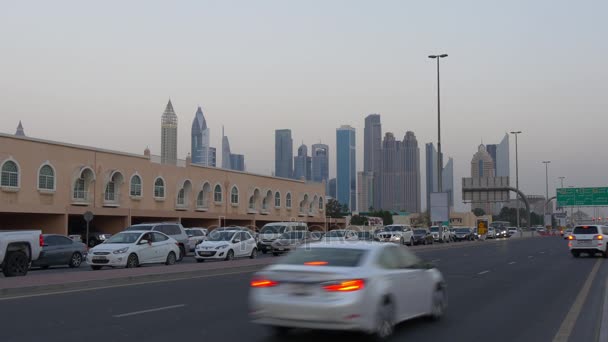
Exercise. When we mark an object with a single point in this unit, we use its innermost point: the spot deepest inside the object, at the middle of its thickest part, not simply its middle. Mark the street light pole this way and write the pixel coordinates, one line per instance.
(546, 162)
(517, 174)
(439, 155)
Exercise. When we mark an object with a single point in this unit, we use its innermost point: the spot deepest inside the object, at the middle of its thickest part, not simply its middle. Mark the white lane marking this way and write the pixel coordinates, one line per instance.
(436, 260)
(125, 285)
(512, 262)
(604, 323)
(483, 272)
(149, 310)
(541, 252)
(565, 329)
(530, 256)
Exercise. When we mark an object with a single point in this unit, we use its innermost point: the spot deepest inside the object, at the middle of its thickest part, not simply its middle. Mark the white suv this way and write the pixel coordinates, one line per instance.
(588, 239)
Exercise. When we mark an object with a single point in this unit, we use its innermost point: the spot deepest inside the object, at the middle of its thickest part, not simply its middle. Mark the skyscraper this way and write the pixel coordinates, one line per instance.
(320, 163)
(283, 153)
(212, 157)
(400, 173)
(237, 162)
(20, 132)
(346, 175)
(364, 190)
(500, 156)
(168, 141)
(302, 164)
(447, 182)
(411, 187)
(372, 155)
(482, 165)
(200, 153)
(332, 188)
(447, 176)
(225, 151)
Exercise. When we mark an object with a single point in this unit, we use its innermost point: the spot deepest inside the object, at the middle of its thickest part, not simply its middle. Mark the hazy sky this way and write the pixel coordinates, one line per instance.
(100, 73)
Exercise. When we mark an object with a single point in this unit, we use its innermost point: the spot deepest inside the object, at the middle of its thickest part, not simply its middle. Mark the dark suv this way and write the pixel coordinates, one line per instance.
(174, 230)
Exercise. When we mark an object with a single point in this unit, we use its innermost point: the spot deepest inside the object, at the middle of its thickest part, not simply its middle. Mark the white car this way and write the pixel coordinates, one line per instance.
(491, 233)
(356, 286)
(567, 233)
(133, 248)
(396, 233)
(512, 231)
(589, 239)
(195, 236)
(341, 235)
(440, 234)
(226, 245)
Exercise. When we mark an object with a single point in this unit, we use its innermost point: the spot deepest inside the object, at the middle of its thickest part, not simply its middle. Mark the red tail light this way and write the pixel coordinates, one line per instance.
(571, 237)
(345, 286)
(261, 283)
(598, 237)
(41, 240)
(316, 263)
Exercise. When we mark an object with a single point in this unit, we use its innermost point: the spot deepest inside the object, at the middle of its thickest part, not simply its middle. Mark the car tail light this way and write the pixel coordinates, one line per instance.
(598, 237)
(261, 283)
(316, 263)
(41, 240)
(571, 237)
(345, 286)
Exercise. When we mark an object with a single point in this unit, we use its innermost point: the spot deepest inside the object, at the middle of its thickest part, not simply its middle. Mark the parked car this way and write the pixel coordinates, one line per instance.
(251, 231)
(464, 234)
(322, 285)
(195, 236)
(226, 245)
(452, 234)
(399, 233)
(589, 239)
(365, 235)
(271, 231)
(289, 241)
(501, 232)
(567, 233)
(18, 249)
(512, 231)
(422, 236)
(95, 237)
(59, 250)
(133, 248)
(172, 229)
(440, 234)
(341, 235)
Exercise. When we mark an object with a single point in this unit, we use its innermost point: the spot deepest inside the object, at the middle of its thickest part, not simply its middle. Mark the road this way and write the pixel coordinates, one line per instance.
(517, 290)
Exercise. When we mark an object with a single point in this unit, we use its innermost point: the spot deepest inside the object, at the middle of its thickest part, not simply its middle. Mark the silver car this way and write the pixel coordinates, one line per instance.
(361, 286)
(172, 229)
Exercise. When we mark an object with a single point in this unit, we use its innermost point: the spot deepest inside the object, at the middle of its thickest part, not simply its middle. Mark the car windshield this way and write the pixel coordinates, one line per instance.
(224, 235)
(581, 230)
(141, 227)
(336, 233)
(292, 235)
(189, 232)
(124, 238)
(462, 230)
(434, 229)
(419, 231)
(272, 230)
(339, 257)
(393, 228)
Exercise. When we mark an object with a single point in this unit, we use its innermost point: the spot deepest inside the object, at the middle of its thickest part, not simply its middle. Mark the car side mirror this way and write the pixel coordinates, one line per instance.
(236, 241)
(143, 242)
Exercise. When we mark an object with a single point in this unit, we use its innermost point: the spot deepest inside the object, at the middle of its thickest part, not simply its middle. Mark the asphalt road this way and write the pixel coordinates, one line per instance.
(517, 290)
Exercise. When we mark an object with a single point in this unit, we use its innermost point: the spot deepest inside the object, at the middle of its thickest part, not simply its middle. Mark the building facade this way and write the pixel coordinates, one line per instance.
(200, 136)
(168, 141)
(482, 165)
(447, 175)
(411, 186)
(225, 152)
(283, 153)
(400, 174)
(372, 155)
(320, 163)
(447, 182)
(364, 190)
(50, 185)
(237, 162)
(302, 164)
(332, 188)
(20, 132)
(346, 172)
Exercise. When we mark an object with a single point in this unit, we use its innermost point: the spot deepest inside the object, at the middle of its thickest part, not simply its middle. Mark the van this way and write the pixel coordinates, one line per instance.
(271, 231)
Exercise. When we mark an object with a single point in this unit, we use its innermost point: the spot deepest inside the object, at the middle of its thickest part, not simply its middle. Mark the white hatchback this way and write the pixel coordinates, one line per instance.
(226, 245)
(133, 248)
(588, 239)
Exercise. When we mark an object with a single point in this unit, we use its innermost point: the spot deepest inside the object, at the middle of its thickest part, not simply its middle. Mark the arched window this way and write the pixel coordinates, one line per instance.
(110, 194)
(202, 200)
(288, 200)
(10, 174)
(277, 199)
(320, 203)
(234, 195)
(181, 195)
(217, 193)
(80, 191)
(46, 178)
(252, 202)
(136, 186)
(159, 188)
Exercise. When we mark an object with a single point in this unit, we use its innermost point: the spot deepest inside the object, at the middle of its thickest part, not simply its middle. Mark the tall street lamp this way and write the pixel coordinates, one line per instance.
(517, 174)
(439, 155)
(546, 162)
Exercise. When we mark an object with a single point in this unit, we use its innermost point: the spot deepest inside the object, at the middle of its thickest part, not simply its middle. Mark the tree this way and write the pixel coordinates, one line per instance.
(387, 216)
(358, 220)
(334, 209)
(478, 212)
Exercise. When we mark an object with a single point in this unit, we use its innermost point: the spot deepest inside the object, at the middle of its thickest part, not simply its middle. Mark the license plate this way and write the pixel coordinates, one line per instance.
(207, 253)
(280, 249)
(99, 258)
(584, 242)
(298, 290)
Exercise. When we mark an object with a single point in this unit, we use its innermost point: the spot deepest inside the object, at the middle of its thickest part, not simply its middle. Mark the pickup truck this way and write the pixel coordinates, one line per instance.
(18, 249)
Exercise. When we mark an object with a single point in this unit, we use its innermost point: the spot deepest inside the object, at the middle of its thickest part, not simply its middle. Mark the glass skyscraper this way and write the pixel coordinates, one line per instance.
(283, 153)
(346, 175)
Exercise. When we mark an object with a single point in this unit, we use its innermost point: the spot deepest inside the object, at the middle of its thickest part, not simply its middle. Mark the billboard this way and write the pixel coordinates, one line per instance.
(440, 209)
(485, 189)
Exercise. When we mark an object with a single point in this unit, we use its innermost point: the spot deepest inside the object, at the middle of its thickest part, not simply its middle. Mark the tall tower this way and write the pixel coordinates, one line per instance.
(168, 140)
(372, 157)
(346, 175)
(302, 164)
(411, 174)
(320, 164)
(283, 153)
(482, 165)
(226, 162)
(200, 152)
(20, 132)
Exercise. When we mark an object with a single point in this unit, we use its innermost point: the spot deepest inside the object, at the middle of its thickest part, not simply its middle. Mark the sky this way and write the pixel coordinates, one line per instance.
(100, 74)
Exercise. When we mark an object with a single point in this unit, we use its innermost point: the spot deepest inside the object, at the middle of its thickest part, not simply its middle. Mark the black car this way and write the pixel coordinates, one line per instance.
(59, 250)
(422, 237)
(464, 234)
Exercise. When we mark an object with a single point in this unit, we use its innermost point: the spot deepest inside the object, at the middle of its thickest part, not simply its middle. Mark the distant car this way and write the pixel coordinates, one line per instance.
(354, 286)
(589, 239)
(272, 231)
(365, 236)
(501, 232)
(134, 248)
(567, 233)
(422, 236)
(341, 235)
(440, 234)
(491, 233)
(464, 234)
(226, 245)
(512, 231)
(398, 233)
(59, 250)
(195, 236)
(172, 229)
(289, 241)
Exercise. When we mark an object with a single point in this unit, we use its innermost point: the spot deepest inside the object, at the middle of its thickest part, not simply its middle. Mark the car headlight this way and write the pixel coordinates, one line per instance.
(121, 251)
(221, 247)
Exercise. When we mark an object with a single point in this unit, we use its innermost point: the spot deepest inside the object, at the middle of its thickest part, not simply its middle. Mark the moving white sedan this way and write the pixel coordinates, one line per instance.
(133, 248)
(356, 286)
(226, 245)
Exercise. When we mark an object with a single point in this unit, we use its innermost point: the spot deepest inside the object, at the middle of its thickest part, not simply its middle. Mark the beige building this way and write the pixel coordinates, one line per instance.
(49, 185)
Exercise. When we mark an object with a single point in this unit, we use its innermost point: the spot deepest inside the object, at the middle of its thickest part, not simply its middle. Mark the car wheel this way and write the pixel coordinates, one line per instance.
(200, 260)
(170, 259)
(254, 254)
(132, 261)
(575, 254)
(15, 264)
(76, 260)
(95, 268)
(264, 251)
(385, 324)
(182, 252)
(402, 241)
(439, 302)
(230, 255)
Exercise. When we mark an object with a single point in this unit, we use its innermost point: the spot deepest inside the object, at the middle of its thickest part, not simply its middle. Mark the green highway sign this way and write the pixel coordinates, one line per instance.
(574, 197)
